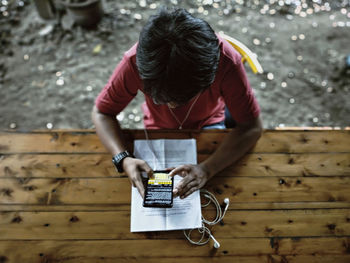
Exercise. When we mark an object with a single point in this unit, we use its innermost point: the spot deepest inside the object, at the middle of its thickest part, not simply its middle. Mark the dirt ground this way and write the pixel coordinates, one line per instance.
(50, 76)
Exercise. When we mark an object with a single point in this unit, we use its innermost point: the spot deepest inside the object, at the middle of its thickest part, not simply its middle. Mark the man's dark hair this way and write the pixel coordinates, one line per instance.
(177, 56)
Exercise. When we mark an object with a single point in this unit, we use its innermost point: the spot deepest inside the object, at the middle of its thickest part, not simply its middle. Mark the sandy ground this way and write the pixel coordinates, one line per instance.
(49, 77)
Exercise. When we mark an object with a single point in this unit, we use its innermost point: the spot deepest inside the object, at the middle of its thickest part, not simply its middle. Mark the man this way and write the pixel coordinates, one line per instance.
(188, 75)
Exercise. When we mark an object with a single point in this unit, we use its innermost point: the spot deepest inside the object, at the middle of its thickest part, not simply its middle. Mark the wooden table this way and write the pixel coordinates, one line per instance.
(62, 201)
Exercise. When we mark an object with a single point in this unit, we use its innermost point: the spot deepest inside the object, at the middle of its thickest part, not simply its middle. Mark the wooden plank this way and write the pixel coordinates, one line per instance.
(126, 207)
(308, 164)
(100, 165)
(213, 259)
(167, 250)
(116, 225)
(207, 141)
(116, 191)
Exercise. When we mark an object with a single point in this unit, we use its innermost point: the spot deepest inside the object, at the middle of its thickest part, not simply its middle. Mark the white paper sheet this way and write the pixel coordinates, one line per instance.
(185, 213)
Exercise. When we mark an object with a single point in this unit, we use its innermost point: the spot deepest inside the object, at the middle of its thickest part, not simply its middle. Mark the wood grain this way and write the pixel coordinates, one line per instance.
(116, 191)
(126, 207)
(207, 141)
(116, 225)
(247, 249)
(100, 165)
(61, 200)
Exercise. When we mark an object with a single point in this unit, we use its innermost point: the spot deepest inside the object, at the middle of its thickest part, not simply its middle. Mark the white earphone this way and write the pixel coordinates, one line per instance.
(227, 202)
(219, 216)
(216, 243)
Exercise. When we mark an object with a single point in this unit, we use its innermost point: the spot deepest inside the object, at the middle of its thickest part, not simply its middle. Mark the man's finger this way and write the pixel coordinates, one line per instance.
(179, 188)
(169, 169)
(188, 186)
(139, 186)
(179, 171)
(193, 189)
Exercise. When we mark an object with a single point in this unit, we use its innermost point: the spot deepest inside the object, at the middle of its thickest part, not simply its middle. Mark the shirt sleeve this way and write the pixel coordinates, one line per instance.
(238, 94)
(121, 88)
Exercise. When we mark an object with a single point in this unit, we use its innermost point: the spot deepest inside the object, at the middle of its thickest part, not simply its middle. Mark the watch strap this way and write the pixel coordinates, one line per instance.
(118, 160)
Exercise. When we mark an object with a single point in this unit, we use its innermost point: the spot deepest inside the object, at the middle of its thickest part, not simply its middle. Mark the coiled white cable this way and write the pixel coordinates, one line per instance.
(204, 229)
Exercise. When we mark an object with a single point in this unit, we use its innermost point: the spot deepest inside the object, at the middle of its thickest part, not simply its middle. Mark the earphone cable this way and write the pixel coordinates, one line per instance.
(204, 229)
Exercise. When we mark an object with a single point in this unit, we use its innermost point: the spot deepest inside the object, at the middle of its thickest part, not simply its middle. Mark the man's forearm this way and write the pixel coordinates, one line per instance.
(109, 132)
(234, 146)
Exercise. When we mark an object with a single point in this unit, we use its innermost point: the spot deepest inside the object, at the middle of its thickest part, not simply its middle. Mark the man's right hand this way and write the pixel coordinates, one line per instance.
(133, 168)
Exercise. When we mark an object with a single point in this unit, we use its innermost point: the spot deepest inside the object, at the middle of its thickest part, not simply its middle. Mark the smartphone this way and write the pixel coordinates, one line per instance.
(159, 190)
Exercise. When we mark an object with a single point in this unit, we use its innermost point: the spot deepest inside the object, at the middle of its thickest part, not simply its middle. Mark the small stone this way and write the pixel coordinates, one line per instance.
(153, 6)
(143, 3)
(329, 89)
(284, 84)
(272, 12)
(315, 119)
(256, 42)
(120, 116)
(26, 57)
(60, 82)
(291, 100)
(13, 125)
(270, 76)
(301, 36)
(46, 30)
(49, 126)
(88, 88)
(138, 16)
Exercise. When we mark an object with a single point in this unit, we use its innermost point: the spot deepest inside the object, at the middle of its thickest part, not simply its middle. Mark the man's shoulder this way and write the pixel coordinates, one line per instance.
(130, 55)
(228, 53)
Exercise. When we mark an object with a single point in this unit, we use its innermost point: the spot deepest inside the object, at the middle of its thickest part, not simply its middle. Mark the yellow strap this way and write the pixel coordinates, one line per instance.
(246, 53)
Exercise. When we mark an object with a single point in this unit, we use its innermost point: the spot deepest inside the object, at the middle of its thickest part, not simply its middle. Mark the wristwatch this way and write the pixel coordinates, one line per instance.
(118, 160)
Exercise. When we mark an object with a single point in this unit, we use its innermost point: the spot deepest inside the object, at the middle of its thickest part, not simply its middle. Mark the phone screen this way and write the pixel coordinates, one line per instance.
(159, 190)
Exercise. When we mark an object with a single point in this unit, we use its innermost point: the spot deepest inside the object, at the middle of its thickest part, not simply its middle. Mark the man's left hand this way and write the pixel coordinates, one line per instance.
(194, 178)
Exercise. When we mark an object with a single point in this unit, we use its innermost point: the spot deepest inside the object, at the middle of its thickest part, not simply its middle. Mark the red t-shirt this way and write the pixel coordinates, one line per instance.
(230, 87)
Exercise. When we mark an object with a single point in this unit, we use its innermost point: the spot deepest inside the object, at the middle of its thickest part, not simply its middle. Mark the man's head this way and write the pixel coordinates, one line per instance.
(177, 56)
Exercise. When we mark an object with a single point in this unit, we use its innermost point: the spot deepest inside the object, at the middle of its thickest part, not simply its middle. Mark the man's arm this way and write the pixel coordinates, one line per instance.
(111, 136)
(240, 140)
